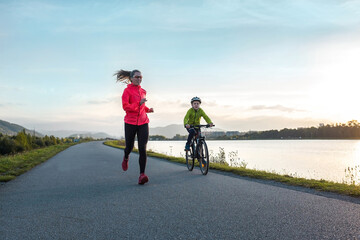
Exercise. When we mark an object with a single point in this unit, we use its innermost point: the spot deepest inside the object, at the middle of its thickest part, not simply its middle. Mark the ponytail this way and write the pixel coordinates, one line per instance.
(125, 76)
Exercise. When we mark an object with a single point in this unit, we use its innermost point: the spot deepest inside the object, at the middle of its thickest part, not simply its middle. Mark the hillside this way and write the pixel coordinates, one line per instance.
(99, 135)
(7, 128)
(75, 133)
(168, 131)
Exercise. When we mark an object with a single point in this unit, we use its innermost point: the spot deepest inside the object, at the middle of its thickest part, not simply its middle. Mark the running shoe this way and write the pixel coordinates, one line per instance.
(125, 163)
(143, 179)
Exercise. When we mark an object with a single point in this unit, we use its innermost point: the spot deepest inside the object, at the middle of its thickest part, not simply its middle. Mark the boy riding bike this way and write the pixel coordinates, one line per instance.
(192, 117)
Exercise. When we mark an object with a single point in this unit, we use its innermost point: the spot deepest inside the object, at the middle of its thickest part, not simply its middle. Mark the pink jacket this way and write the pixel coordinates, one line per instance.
(135, 114)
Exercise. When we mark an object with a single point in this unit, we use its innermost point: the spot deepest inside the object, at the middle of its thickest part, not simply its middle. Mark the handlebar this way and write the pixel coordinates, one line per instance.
(201, 125)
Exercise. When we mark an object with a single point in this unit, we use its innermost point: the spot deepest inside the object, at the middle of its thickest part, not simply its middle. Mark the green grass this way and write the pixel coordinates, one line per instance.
(14, 165)
(115, 143)
(320, 185)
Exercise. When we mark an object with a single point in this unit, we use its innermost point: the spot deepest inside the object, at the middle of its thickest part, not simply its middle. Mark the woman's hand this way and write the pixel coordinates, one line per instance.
(187, 126)
(151, 110)
(142, 101)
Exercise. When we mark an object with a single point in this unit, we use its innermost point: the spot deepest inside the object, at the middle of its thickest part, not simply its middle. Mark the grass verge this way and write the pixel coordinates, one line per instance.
(15, 165)
(320, 185)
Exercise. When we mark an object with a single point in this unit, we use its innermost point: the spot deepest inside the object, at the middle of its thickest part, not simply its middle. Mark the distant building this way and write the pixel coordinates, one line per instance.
(215, 134)
(232, 133)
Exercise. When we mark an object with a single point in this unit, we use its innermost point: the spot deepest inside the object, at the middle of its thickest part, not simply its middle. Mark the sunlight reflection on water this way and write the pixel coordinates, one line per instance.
(312, 159)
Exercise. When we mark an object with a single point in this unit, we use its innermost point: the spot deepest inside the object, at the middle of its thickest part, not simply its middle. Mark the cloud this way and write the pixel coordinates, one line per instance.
(229, 14)
(53, 70)
(106, 100)
(190, 16)
(11, 104)
(8, 89)
(98, 102)
(275, 107)
(32, 9)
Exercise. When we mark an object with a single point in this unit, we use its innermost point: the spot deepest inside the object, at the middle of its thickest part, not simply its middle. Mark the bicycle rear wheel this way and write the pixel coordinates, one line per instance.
(190, 158)
(204, 158)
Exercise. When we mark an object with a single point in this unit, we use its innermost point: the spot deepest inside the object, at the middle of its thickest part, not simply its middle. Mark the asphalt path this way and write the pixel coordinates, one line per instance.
(82, 193)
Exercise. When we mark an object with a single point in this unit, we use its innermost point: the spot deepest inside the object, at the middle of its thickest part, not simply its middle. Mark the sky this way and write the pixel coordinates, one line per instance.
(256, 64)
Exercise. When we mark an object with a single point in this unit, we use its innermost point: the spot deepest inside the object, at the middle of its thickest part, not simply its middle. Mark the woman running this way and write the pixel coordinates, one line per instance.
(136, 119)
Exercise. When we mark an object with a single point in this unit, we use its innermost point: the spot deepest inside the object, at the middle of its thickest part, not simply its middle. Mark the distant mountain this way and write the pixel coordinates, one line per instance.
(74, 133)
(92, 135)
(11, 129)
(168, 131)
(62, 133)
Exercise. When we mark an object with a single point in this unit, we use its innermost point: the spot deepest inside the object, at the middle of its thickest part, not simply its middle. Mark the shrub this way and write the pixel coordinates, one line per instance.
(39, 142)
(220, 157)
(24, 142)
(7, 145)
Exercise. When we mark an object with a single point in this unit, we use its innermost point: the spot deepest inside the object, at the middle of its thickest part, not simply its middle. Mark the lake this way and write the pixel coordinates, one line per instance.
(311, 159)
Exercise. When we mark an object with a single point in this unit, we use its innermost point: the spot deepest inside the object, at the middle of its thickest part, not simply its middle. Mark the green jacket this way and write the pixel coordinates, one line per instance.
(192, 117)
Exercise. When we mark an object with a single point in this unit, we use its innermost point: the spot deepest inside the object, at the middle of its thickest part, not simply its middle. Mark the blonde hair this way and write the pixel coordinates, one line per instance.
(125, 76)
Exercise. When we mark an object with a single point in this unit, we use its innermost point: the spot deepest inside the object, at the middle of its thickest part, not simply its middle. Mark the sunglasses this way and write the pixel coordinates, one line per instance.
(138, 77)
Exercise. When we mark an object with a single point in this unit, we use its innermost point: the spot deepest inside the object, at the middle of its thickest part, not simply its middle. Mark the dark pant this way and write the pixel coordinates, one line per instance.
(192, 132)
(142, 133)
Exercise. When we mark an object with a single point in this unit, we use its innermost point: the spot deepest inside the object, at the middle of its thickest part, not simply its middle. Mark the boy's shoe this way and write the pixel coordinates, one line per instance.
(203, 163)
(143, 179)
(187, 147)
(125, 163)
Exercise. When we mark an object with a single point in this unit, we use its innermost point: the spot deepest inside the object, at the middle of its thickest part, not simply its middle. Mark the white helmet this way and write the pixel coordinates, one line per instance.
(195, 99)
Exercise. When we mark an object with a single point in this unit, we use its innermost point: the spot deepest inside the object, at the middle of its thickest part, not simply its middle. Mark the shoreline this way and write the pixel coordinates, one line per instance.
(320, 185)
(274, 139)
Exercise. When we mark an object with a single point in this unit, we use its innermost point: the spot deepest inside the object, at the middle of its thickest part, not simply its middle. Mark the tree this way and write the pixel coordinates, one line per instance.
(157, 137)
(22, 141)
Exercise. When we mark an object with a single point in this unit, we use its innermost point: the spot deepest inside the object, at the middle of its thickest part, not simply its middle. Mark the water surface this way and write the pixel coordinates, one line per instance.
(312, 159)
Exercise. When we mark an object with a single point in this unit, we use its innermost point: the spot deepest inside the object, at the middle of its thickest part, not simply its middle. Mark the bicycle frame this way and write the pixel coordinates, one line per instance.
(198, 150)
(195, 143)
(197, 138)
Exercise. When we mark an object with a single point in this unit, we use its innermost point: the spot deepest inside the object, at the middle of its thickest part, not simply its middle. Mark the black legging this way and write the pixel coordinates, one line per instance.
(142, 133)
(192, 132)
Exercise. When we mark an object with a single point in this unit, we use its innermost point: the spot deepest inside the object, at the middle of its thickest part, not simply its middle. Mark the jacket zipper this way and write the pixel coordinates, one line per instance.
(195, 116)
(137, 120)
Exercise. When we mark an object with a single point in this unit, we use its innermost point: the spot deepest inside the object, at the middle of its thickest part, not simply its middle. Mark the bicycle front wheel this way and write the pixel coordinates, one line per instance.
(204, 158)
(190, 158)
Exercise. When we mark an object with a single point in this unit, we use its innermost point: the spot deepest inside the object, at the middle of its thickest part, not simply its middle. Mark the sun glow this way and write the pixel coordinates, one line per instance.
(336, 72)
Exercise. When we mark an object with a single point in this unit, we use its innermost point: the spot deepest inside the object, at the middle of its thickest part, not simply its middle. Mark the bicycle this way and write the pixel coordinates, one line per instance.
(198, 150)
